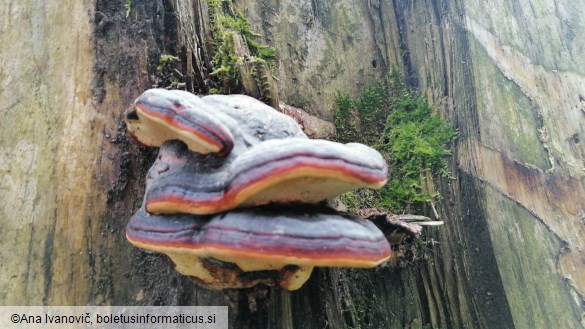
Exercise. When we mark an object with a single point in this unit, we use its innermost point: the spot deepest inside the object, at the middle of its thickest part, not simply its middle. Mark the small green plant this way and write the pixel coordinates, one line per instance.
(167, 75)
(165, 61)
(399, 123)
(226, 23)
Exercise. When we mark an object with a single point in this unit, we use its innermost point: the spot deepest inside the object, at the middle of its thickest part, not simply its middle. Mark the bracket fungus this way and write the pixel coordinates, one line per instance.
(230, 198)
(159, 116)
(274, 245)
(276, 171)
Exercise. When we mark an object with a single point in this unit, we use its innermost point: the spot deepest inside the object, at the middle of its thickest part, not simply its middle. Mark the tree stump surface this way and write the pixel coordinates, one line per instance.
(70, 177)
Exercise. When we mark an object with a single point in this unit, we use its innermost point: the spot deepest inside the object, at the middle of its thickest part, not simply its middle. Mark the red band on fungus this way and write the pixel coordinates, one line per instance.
(276, 171)
(267, 237)
(220, 153)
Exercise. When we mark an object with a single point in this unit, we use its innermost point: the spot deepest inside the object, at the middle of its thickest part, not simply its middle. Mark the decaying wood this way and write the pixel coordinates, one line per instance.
(311, 125)
(510, 255)
(193, 25)
(257, 80)
(397, 227)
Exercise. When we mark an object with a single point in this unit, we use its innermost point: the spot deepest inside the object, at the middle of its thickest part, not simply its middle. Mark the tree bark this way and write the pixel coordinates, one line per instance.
(70, 177)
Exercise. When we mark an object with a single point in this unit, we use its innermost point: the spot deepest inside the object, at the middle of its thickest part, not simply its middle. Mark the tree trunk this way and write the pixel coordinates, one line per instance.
(509, 256)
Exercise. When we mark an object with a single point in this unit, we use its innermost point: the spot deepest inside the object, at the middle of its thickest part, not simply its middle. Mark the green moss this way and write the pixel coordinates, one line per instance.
(224, 67)
(226, 23)
(127, 7)
(167, 75)
(400, 124)
(350, 200)
(262, 77)
(345, 120)
(165, 61)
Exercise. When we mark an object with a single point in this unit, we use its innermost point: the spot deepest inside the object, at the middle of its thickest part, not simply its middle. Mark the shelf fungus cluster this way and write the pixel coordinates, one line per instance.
(233, 196)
